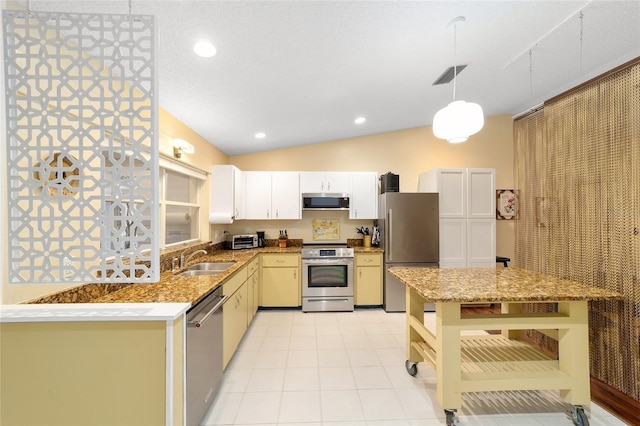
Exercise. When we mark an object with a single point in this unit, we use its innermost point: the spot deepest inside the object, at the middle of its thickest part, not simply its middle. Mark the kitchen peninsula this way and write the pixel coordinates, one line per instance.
(474, 363)
(75, 362)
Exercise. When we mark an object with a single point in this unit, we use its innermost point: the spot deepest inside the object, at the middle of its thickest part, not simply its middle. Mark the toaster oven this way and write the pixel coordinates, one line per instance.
(244, 241)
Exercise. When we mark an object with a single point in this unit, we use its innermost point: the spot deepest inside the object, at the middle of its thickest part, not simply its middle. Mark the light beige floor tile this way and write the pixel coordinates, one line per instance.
(336, 378)
(381, 404)
(259, 408)
(341, 405)
(306, 358)
(265, 380)
(300, 407)
(271, 359)
(301, 379)
(333, 358)
(373, 377)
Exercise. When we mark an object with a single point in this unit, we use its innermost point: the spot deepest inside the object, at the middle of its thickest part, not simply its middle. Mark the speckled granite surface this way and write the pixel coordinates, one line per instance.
(468, 285)
(173, 288)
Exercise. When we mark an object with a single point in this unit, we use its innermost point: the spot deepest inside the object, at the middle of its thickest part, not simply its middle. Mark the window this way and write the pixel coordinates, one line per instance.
(180, 187)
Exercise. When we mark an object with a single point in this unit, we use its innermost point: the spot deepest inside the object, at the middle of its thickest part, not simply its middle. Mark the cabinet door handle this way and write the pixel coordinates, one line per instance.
(322, 186)
(360, 273)
(368, 260)
(280, 261)
(267, 213)
(295, 275)
(328, 186)
(276, 213)
(356, 213)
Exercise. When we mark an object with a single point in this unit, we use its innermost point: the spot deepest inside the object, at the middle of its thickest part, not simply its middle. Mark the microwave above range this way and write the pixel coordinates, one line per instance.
(325, 201)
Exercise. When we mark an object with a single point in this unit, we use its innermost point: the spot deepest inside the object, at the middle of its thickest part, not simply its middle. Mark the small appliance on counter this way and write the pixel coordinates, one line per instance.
(242, 241)
(262, 242)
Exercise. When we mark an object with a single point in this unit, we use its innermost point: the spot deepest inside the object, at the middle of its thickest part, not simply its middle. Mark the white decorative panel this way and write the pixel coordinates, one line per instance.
(82, 147)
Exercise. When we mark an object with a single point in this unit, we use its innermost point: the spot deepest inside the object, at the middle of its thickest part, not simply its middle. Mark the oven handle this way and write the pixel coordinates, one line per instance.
(333, 261)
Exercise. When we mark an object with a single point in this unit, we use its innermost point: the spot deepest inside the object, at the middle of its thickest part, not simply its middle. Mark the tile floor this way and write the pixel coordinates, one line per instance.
(347, 368)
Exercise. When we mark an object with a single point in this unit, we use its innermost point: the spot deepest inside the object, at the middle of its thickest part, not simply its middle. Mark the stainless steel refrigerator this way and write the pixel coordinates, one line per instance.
(409, 232)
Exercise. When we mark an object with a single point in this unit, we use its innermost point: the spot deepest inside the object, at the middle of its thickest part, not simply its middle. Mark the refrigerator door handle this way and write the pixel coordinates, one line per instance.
(390, 244)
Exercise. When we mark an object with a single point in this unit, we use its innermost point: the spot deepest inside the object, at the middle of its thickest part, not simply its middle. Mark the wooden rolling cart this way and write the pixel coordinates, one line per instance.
(476, 363)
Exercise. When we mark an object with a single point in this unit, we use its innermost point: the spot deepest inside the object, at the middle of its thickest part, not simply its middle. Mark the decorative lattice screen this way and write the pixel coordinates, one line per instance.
(81, 147)
(578, 172)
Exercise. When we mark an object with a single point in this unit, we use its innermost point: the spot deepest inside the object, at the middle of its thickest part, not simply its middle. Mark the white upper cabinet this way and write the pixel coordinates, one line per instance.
(363, 202)
(467, 215)
(481, 194)
(318, 182)
(227, 192)
(451, 184)
(272, 195)
(285, 195)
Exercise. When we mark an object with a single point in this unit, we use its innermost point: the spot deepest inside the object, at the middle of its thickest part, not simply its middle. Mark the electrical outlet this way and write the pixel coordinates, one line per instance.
(294, 231)
(68, 267)
(216, 234)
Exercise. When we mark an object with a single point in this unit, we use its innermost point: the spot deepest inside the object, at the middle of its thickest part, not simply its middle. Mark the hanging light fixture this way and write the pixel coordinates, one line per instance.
(458, 120)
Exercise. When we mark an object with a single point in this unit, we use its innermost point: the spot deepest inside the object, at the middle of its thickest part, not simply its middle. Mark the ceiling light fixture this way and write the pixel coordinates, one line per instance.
(260, 135)
(360, 120)
(205, 49)
(458, 120)
(181, 146)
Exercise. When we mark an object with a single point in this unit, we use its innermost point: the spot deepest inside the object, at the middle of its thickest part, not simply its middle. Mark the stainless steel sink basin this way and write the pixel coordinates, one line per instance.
(211, 266)
(199, 273)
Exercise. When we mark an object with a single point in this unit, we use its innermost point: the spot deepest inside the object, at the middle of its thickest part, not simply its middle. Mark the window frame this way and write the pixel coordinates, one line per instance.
(168, 164)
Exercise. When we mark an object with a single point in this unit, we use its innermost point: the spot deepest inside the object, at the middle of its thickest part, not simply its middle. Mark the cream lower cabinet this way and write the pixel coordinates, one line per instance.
(76, 373)
(234, 314)
(368, 280)
(280, 280)
(253, 289)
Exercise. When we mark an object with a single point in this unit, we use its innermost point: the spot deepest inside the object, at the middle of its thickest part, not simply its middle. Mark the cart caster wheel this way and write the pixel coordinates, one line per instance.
(578, 416)
(451, 417)
(412, 367)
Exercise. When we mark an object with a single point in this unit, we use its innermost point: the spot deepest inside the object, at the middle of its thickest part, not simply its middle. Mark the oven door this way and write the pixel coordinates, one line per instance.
(327, 277)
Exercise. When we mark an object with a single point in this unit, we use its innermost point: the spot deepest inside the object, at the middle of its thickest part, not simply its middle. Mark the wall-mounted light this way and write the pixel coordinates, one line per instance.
(181, 146)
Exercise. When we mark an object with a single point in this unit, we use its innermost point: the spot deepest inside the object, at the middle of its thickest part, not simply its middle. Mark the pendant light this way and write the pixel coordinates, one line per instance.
(458, 120)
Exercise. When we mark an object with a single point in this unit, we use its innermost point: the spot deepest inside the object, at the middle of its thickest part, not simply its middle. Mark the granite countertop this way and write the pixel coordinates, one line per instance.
(173, 288)
(467, 285)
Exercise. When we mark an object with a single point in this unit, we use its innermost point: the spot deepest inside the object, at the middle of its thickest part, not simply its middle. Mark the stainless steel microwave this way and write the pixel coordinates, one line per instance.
(325, 201)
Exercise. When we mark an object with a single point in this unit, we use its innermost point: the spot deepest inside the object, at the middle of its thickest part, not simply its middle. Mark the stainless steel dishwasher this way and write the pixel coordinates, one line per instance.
(204, 355)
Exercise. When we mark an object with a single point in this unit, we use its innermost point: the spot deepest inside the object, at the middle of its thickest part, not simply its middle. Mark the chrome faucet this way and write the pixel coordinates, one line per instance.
(183, 261)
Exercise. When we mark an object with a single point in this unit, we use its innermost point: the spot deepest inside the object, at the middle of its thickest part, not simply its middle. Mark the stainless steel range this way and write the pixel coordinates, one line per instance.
(327, 279)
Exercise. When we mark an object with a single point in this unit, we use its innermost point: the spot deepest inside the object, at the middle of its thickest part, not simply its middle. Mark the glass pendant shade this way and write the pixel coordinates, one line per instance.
(457, 121)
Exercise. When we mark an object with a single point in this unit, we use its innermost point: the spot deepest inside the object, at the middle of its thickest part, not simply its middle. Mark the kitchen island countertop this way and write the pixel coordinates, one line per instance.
(469, 285)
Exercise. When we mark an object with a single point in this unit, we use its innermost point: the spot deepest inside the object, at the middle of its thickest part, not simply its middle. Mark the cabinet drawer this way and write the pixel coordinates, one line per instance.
(234, 283)
(279, 260)
(253, 267)
(368, 259)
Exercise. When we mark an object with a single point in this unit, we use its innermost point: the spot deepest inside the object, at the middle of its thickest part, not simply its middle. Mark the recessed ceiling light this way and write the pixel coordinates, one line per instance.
(360, 120)
(205, 49)
(260, 135)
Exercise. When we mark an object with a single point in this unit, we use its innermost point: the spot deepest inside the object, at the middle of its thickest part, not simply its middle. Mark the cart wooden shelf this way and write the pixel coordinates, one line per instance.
(475, 363)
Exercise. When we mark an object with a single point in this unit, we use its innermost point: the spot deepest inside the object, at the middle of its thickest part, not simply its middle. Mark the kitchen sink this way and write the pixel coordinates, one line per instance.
(198, 273)
(211, 266)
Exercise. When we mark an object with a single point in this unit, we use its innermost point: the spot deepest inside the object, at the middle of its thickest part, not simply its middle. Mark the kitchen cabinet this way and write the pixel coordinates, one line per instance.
(234, 314)
(108, 364)
(363, 203)
(253, 289)
(318, 182)
(280, 280)
(227, 191)
(272, 195)
(467, 215)
(368, 281)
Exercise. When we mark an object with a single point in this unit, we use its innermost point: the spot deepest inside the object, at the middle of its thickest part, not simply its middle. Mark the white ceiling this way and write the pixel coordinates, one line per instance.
(303, 71)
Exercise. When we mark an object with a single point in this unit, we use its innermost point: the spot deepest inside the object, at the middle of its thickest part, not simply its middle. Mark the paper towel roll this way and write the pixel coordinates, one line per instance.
(221, 218)
(176, 218)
